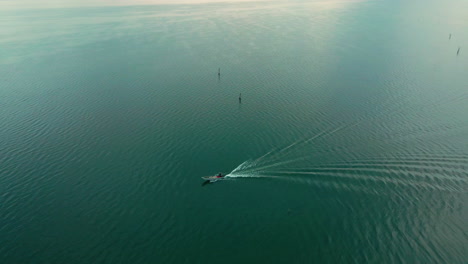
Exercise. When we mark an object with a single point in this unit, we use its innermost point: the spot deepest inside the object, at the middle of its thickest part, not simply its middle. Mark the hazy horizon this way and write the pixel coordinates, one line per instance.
(90, 3)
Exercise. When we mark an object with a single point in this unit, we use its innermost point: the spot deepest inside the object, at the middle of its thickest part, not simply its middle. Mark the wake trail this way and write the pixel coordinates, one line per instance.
(256, 161)
(295, 172)
(302, 141)
(240, 167)
(386, 180)
(442, 162)
(275, 164)
(379, 169)
(312, 182)
(257, 176)
(249, 166)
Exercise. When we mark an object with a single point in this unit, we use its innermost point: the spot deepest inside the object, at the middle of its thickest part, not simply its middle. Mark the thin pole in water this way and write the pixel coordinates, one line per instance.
(240, 98)
(219, 71)
(458, 51)
(450, 36)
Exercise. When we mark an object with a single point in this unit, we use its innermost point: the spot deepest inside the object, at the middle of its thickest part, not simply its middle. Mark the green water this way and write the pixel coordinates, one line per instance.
(350, 144)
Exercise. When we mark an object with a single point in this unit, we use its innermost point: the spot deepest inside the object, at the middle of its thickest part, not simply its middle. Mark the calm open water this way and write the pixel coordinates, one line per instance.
(350, 144)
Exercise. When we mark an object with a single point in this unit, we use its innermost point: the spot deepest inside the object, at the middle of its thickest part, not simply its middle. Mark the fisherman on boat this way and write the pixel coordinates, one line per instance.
(220, 175)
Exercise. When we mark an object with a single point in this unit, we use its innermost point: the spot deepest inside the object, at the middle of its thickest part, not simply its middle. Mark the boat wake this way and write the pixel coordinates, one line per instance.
(418, 171)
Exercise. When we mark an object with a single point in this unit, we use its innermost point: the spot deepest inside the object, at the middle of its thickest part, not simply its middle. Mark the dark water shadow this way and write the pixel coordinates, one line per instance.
(205, 183)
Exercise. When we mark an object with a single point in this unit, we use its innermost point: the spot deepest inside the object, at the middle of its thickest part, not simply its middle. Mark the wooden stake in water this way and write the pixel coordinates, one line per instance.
(458, 51)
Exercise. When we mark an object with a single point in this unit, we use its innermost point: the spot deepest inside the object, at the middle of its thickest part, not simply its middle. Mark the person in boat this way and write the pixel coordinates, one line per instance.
(220, 175)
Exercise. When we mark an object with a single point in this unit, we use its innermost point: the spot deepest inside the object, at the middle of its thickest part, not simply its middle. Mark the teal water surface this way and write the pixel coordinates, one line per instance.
(350, 144)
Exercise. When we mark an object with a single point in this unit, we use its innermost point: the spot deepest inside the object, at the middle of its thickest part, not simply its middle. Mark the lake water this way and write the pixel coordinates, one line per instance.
(350, 144)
